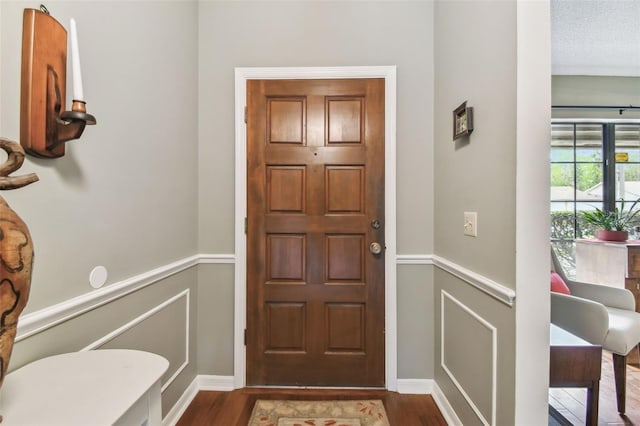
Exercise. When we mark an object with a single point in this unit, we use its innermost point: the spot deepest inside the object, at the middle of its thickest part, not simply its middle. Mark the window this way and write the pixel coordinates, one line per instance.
(593, 164)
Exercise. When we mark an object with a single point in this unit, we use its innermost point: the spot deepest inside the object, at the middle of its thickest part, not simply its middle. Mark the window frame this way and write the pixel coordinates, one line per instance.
(608, 162)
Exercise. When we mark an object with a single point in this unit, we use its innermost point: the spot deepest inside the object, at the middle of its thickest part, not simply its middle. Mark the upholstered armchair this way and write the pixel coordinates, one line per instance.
(601, 315)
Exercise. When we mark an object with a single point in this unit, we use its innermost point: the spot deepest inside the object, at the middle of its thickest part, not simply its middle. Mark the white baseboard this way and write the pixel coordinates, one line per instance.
(445, 408)
(226, 383)
(430, 387)
(415, 386)
(215, 383)
(200, 383)
(181, 404)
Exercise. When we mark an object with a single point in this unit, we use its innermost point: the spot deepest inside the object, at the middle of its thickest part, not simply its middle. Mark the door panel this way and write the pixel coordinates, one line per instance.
(315, 292)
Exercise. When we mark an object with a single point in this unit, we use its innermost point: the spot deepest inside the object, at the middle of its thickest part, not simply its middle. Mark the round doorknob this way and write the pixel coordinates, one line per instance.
(375, 248)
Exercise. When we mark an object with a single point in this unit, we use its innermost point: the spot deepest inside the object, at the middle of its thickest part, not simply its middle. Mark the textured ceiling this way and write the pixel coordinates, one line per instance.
(595, 37)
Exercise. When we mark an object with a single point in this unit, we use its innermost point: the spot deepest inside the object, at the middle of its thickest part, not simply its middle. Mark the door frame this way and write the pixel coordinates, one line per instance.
(240, 274)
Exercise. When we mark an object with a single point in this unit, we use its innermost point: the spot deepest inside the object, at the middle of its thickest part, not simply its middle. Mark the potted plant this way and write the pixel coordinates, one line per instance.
(613, 225)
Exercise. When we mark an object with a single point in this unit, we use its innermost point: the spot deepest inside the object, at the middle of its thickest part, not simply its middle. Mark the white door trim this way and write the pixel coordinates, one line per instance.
(240, 311)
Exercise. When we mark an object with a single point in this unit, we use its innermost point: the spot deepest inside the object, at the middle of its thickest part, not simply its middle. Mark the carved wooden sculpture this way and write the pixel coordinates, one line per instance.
(16, 255)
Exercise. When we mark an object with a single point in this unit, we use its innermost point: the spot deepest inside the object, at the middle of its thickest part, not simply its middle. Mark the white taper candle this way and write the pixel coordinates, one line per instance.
(75, 63)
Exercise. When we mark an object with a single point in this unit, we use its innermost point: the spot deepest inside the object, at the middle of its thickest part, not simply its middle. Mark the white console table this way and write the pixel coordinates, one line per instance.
(603, 262)
(609, 263)
(101, 387)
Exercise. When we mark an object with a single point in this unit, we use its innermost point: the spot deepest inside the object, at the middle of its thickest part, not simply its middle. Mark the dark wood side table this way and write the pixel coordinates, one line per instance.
(575, 363)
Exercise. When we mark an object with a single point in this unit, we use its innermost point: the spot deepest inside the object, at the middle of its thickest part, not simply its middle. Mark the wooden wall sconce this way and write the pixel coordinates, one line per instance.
(44, 124)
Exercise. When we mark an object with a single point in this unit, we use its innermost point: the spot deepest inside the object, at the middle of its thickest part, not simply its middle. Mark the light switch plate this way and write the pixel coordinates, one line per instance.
(471, 224)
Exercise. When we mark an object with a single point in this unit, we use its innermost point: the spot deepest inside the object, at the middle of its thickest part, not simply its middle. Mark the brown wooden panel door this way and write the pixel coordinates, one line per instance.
(315, 291)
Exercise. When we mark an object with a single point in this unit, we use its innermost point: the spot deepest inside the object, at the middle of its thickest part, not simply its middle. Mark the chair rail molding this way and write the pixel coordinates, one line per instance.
(487, 285)
(496, 290)
(43, 319)
(414, 259)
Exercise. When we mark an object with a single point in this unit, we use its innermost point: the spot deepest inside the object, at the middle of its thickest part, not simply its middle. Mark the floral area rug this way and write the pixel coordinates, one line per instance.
(318, 413)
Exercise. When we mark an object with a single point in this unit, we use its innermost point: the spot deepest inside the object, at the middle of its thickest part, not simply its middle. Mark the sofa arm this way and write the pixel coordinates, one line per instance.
(613, 297)
(585, 318)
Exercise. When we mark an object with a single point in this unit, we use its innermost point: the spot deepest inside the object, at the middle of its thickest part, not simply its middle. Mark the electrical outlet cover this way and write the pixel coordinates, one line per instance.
(471, 224)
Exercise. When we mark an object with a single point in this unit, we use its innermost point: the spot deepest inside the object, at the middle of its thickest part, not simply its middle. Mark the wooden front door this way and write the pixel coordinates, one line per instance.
(315, 198)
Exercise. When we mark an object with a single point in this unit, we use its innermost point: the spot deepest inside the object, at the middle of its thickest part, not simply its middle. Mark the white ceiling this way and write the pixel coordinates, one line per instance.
(595, 37)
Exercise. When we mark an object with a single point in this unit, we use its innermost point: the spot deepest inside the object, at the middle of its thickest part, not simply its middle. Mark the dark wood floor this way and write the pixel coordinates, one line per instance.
(234, 408)
(571, 402)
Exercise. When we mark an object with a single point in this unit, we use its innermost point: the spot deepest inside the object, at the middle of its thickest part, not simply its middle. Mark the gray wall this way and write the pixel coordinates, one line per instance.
(476, 174)
(143, 57)
(215, 320)
(278, 34)
(145, 188)
(125, 194)
(132, 323)
(595, 90)
(480, 58)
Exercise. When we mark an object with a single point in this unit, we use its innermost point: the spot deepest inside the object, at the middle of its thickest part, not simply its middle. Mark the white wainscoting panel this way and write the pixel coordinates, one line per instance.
(39, 321)
(182, 296)
(485, 418)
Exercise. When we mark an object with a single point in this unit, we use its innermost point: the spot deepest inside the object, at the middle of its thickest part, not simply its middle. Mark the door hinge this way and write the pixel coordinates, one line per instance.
(245, 337)
(245, 115)
(246, 225)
